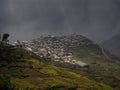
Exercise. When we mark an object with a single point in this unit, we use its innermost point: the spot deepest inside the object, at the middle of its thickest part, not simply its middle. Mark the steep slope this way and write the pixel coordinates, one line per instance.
(37, 75)
(79, 54)
(113, 45)
(28, 73)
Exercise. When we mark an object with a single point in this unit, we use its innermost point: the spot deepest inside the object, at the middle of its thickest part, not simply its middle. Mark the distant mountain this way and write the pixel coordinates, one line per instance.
(112, 45)
(35, 73)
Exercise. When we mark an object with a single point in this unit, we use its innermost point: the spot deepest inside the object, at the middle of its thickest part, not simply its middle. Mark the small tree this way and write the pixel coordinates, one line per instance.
(5, 83)
(5, 37)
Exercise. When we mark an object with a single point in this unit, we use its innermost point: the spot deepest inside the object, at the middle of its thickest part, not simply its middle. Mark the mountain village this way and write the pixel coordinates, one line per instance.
(54, 48)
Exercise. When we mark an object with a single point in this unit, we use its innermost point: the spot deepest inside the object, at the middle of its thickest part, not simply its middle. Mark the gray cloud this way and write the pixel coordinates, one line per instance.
(27, 19)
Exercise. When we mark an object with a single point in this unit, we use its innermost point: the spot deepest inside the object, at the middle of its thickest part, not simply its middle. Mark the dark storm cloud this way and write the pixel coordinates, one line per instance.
(94, 17)
(26, 19)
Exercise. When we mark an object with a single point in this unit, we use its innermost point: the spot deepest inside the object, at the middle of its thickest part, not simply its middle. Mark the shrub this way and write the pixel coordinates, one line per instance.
(5, 83)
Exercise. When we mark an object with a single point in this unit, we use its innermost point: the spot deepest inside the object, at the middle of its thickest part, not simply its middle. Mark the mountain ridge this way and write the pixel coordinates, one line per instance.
(112, 45)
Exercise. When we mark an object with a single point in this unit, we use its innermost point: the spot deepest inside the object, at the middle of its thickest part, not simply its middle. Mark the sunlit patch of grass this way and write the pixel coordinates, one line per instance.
(36, 63)
(58, 78)
(50, 70)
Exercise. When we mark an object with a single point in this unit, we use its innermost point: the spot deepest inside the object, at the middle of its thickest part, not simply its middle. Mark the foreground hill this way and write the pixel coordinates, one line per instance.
(113, 45)
(26, 71)
(80, 54)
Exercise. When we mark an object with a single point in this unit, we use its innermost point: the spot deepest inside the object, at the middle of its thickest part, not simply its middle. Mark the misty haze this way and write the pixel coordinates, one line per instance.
(99, 20)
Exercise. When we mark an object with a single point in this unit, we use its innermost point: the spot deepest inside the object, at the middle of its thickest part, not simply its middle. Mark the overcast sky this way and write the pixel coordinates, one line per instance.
(27, 19)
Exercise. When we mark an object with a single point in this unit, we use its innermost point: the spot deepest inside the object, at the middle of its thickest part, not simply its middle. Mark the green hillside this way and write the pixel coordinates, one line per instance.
(102, 65)
(29, 73)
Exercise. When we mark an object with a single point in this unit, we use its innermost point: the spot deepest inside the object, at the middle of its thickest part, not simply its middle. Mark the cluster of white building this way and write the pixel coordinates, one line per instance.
(53, 47)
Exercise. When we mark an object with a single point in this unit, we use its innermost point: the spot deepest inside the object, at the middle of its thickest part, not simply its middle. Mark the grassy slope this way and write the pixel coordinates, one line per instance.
(102, 68)
(38, 75)
(19, 71)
